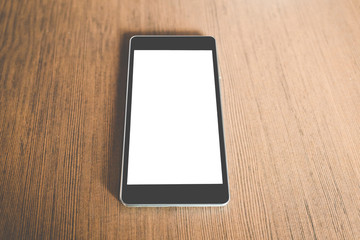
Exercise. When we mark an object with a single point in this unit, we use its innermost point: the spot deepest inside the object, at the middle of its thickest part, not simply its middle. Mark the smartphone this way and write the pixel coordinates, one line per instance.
(174, 148)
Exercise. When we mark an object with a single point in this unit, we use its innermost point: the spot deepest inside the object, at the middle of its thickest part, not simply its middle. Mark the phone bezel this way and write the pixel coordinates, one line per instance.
(179, 194)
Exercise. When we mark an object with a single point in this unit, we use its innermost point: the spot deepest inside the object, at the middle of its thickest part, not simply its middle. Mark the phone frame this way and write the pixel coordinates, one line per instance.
(179, 194)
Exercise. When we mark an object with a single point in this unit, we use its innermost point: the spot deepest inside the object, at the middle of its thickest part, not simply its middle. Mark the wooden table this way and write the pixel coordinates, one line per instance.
(291, 97)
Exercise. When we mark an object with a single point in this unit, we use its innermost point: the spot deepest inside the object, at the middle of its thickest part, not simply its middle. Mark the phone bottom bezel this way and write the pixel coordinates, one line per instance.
(175, 195)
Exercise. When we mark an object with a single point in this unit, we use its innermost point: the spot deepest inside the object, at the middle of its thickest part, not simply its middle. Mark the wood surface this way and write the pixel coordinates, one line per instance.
(291, 101)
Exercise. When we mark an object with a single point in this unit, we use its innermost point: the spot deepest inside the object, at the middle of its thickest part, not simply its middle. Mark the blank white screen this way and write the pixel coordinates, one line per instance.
(174, 137)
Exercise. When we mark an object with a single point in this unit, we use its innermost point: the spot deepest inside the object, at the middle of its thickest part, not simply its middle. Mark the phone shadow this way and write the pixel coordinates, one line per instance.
(113, 172)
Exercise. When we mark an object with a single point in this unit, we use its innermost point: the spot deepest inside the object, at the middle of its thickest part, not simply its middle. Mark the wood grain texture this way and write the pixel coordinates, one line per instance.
(291, 101)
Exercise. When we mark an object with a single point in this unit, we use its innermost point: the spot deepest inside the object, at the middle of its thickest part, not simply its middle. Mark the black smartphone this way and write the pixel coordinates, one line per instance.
(174, 148)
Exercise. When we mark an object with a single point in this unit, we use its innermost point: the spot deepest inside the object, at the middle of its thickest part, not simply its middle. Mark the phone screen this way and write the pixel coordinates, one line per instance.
(174, 132)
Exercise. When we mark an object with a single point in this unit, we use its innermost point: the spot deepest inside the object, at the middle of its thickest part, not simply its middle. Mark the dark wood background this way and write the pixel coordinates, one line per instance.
(291, 97)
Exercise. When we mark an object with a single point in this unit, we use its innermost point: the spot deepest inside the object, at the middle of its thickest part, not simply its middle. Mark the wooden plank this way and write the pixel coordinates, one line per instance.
(291, 97)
